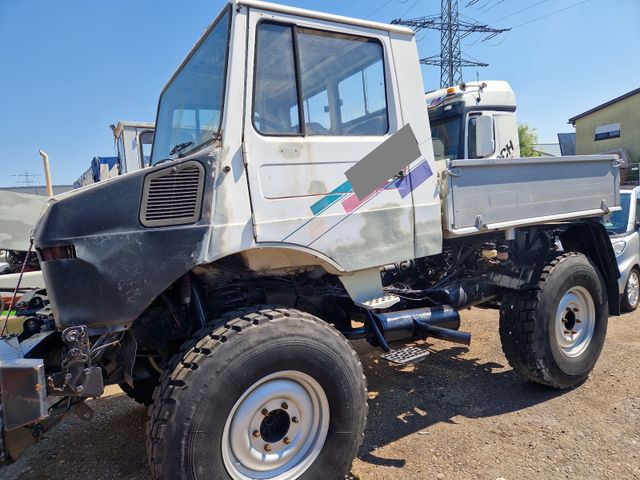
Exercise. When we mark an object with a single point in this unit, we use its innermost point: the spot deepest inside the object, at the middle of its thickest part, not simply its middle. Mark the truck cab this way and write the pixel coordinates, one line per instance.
(474, 120)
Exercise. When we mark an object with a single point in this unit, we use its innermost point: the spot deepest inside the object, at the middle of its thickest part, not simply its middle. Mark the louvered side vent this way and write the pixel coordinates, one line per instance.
(173, 196)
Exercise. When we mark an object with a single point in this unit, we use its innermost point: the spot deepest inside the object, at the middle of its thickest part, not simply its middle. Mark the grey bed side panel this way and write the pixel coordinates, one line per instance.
(498, 193)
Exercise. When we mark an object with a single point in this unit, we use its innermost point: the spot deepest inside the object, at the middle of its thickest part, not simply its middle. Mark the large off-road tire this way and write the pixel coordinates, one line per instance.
(631, 295)
(554, 335)
(273, 394)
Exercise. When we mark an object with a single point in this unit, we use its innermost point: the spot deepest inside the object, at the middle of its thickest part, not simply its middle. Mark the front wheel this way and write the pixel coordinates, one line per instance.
(273, 394)
(554, 335)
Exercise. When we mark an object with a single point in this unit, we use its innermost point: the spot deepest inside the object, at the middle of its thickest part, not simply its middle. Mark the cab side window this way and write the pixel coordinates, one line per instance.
(275, 103)
(312, 82)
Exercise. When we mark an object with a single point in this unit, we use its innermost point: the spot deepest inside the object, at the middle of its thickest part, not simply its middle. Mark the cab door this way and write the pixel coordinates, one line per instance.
(319, 99)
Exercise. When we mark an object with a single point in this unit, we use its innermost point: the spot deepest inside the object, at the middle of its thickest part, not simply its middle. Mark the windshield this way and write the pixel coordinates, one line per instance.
(190, 109)
(445, 135)
(620, 219)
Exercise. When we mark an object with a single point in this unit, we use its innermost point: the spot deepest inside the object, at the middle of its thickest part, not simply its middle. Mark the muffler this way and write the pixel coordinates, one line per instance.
(440, 322)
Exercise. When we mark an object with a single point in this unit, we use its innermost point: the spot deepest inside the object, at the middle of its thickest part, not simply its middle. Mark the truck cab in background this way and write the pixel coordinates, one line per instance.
(474, 120)
(133, 142)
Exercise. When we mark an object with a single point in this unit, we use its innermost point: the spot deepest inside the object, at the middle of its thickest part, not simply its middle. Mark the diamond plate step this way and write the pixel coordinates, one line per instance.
(379, 303)
(405, 356)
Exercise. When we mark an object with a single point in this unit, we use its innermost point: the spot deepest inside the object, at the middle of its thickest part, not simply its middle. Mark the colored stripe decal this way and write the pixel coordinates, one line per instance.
(332, 198)
(352, 202)
(416, 177)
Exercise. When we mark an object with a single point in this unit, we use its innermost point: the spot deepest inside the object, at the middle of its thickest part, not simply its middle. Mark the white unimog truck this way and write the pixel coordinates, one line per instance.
(295, 186)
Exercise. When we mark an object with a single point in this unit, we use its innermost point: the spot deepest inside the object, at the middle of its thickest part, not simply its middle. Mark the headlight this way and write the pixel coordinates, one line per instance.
(618, 247)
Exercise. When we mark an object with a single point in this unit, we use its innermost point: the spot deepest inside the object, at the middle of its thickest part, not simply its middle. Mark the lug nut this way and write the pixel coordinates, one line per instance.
(267, 448)
(294, 420)
(265, 412)
(286, 441)
(284, 405)
(256, 433)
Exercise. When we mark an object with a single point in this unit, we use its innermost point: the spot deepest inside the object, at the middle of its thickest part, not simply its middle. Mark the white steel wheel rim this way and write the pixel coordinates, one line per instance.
(633, 288)
(575, 321)
(258, 442)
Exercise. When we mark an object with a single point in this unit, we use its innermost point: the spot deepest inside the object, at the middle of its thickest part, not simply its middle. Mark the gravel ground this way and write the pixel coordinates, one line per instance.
(460, 414)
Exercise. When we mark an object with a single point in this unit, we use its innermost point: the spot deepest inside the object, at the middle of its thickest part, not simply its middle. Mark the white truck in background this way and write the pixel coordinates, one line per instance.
(133, 142)
(474, 120)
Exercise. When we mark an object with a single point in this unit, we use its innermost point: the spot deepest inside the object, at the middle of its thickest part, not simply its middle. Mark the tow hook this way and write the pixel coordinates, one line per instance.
(78, 377)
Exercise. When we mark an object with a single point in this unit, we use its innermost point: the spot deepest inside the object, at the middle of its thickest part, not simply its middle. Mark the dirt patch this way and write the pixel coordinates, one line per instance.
(460, 414)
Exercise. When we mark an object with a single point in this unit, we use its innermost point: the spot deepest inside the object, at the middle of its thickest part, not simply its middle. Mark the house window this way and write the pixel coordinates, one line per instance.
(604, 132)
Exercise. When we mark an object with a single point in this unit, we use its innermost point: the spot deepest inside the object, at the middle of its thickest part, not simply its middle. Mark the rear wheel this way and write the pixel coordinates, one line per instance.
(631, 295)
(273, 394)
(554, 335)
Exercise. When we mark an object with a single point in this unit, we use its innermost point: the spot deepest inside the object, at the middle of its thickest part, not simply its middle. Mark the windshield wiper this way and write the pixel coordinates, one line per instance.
(179, 147)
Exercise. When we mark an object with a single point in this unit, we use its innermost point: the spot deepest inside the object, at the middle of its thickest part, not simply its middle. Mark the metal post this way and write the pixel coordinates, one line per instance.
(47, 172)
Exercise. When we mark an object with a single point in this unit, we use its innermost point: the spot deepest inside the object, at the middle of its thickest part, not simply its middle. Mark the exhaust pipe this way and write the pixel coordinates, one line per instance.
(445, 334)
(438, 322)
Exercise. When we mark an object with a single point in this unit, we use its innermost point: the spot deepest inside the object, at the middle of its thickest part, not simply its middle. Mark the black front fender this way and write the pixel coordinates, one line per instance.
(117, 266)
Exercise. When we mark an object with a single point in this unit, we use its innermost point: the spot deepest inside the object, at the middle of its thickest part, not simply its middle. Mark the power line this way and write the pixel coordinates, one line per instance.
(452, 28)
(380, 8)
(410, 8)
(489, 37)
(471, 3)
(550, 14)
(520, 11)
(26, 179)
(492, 6)
(348, 6)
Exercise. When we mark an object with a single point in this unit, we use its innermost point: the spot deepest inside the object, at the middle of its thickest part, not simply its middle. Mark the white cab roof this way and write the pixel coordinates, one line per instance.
(123, 124)
(274, 7)
(492, 93)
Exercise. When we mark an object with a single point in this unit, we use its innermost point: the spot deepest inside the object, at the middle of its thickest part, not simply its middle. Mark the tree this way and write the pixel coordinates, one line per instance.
(528, 140)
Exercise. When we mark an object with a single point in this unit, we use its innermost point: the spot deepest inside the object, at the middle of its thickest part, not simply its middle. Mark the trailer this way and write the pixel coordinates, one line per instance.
(293, 204)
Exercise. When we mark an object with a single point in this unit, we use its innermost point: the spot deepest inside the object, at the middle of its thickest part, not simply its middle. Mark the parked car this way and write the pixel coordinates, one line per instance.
(623, 228)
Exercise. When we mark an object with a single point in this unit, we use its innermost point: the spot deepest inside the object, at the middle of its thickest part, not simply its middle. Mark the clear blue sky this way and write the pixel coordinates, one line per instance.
(70, 68)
